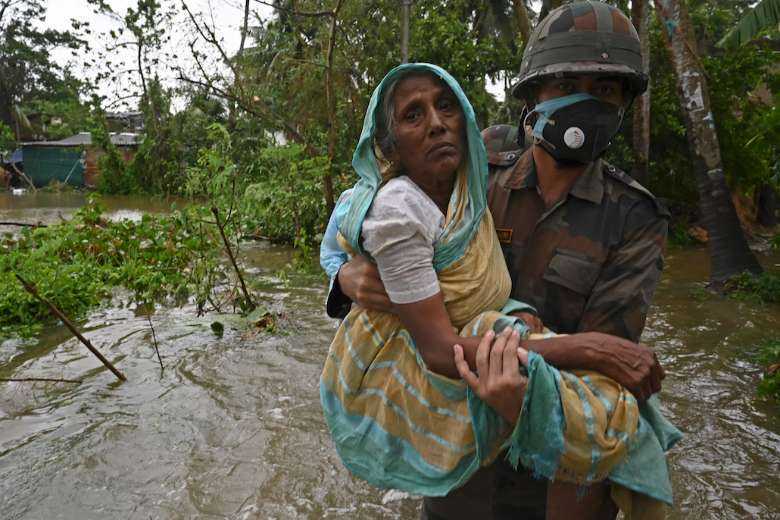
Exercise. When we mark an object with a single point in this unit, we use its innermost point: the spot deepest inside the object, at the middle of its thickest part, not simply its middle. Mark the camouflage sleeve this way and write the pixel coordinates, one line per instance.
(620, 299)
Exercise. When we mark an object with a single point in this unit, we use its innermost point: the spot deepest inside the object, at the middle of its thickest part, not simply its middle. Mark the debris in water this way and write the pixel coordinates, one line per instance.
(217, 328)
(394, 495)
(262, 319)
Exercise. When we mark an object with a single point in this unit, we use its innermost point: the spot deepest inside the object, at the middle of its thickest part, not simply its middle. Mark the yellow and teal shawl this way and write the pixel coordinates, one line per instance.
(398, 425)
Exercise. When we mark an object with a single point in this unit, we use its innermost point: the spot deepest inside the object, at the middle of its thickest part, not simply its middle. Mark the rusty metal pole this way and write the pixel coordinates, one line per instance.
(405, 9)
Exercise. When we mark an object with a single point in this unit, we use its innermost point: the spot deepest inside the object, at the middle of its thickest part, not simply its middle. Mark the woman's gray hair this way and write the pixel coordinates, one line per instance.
(385, 131)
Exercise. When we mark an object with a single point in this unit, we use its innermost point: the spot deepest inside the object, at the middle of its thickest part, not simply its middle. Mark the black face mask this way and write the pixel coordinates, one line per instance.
(576, 129)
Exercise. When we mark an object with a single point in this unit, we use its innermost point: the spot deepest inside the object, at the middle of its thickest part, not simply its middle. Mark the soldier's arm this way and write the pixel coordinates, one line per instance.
(621, 296)
(620, 300)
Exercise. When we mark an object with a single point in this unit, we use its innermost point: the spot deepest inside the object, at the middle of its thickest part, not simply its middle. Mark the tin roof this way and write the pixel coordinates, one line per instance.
(85, 139)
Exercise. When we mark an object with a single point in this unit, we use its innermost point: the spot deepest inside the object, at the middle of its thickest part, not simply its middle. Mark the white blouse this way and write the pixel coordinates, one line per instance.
(399, 232)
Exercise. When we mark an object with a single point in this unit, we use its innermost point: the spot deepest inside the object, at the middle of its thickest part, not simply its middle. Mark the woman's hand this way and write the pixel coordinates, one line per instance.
(499, 382)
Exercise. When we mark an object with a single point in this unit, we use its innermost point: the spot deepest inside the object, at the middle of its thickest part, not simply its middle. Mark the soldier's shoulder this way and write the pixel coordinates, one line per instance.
(501, 143)
(627, 185)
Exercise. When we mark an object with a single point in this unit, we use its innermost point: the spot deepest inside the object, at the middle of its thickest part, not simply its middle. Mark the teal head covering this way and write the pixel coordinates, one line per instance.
(457, 235)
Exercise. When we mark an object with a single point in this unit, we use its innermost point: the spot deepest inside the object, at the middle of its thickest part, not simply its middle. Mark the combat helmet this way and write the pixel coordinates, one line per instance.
(582, 37)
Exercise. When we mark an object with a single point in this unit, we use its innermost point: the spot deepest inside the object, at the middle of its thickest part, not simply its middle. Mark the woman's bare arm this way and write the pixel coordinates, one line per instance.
(428, 323)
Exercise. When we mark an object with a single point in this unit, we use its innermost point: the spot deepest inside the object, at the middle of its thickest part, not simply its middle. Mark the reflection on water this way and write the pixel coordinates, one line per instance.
(232, 428)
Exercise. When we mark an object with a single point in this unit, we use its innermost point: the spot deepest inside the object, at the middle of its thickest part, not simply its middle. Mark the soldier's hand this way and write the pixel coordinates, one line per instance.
(633, 365)
(360, 282)
(533, 322)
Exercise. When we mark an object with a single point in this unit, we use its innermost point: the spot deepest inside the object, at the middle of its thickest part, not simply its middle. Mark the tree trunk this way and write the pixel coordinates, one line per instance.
(729, 252)
(640, 15)
(766, 205)
(523, 22)
(405, 8)
(331, 101)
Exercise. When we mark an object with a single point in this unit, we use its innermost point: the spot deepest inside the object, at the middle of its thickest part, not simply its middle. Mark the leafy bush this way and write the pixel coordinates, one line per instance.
(769, 355)
(77, 263)
(762, 288)
(286, 202)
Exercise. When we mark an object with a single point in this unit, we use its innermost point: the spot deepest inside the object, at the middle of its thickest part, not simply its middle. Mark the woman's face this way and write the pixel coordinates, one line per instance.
(430, 132)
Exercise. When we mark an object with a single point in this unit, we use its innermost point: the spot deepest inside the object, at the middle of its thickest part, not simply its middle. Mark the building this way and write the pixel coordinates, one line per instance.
(73, 160)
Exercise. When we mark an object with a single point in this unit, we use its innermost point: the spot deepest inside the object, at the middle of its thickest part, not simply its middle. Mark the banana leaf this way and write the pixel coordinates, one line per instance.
(763, 16)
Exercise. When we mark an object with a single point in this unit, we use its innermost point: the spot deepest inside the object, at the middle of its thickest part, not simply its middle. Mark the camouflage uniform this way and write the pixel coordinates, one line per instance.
(592, 261)
(589, 263)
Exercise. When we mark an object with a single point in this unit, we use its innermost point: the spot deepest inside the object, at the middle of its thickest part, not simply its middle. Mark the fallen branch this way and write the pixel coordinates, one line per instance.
(30, 288)
(154, 339)
(21, 174)
(39, 379)
(248, 299)
(22, 224)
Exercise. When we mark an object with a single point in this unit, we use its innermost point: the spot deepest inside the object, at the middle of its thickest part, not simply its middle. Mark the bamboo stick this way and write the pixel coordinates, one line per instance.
(30, 288)
(250, 304)
(22, 224)
(39, 379)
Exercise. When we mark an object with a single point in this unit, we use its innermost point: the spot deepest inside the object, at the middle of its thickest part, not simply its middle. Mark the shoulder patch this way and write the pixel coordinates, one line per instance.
(624, 178)
(501, 144)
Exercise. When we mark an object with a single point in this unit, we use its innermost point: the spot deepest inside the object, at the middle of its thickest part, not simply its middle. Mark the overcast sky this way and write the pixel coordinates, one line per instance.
(226, 15)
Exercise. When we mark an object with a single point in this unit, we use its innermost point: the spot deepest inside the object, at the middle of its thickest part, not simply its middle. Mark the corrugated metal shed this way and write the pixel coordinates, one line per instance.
(72, 160)
(85, 139)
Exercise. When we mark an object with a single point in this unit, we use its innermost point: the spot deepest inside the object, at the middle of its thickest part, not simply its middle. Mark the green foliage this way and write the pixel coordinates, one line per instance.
(76, 264)
(678, 234)
(747, 127)
(764, 16)
(285, 201)
(62, 113)
(7, 139)
(114, 176)
(763, 288)
(769, 356)
(775, 241)
(446, 33)
(214, 174)
(156, 166)
(28, 74)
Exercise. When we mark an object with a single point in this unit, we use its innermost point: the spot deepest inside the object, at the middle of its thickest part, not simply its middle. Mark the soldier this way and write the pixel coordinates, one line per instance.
(583, 241)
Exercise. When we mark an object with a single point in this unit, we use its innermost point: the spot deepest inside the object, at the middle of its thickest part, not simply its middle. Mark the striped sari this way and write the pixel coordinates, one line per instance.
(398, 425)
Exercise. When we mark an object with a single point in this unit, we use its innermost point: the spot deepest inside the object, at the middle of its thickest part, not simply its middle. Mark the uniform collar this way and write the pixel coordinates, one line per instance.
(589, 186)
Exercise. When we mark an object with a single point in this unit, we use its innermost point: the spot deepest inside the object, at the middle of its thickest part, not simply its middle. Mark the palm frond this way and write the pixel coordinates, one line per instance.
(763, 16)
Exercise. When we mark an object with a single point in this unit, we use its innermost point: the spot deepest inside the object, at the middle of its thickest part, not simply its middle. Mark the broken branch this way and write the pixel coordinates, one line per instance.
(248, 299)
(30, 288)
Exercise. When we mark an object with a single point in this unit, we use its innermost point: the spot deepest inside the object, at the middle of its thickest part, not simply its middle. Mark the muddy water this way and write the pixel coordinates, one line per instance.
(232, 427)
(49, 208)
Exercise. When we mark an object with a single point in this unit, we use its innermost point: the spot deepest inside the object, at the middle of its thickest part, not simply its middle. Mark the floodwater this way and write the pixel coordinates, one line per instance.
(50, 208)
(232, 427)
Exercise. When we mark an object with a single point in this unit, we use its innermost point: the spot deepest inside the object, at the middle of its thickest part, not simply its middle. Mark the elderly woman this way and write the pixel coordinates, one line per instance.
(398, 415)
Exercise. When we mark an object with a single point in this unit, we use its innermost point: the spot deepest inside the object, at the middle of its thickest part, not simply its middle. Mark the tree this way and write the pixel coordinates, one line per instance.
(27, 71)
(523, 21)
(765, 15)
(729, 252)
(640, 16)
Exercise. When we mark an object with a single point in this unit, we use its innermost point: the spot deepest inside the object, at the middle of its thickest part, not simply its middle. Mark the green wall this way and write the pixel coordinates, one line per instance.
(44, 164)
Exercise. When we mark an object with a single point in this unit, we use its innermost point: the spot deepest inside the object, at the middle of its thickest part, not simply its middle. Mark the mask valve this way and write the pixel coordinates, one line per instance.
(574, 138)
